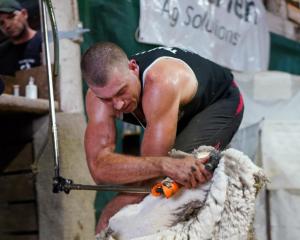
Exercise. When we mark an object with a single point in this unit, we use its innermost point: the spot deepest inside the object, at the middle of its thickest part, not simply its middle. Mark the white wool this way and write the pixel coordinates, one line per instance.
(226, 207)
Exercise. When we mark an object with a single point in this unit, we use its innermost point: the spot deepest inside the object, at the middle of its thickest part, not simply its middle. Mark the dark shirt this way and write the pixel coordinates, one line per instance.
(14, 57)
(213, 79)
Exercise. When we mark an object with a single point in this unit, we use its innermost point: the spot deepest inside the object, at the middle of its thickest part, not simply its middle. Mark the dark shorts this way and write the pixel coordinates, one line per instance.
(215, 125)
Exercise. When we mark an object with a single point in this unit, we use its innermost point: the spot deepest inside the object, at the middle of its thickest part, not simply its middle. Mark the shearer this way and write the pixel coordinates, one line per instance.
(181, 99)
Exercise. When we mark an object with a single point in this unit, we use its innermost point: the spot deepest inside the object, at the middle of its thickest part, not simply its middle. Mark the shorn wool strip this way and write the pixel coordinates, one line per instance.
(223, 208)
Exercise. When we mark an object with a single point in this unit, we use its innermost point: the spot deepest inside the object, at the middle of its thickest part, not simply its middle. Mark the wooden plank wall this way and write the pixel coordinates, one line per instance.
(18, 207)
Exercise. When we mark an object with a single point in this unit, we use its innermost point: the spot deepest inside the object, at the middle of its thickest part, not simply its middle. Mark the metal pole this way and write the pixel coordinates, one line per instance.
(117, 188)
(268, 215)
(50, 90)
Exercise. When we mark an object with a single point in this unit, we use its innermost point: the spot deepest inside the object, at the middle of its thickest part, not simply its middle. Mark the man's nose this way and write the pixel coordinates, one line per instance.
(118, 103)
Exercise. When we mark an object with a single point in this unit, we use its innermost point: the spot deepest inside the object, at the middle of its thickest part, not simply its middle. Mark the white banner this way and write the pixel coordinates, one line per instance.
(233, 33)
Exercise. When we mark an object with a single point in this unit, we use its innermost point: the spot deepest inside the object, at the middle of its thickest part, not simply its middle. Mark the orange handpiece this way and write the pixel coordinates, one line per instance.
(157, 190)
(167, 188)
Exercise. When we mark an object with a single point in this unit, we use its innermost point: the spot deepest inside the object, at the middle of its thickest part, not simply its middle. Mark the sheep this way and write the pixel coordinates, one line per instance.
(223, 208)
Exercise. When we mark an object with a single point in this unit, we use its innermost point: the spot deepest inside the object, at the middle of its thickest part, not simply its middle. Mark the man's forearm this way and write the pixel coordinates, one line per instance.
(116, 168)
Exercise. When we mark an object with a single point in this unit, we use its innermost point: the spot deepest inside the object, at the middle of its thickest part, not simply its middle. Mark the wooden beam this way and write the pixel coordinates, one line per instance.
(10, 103)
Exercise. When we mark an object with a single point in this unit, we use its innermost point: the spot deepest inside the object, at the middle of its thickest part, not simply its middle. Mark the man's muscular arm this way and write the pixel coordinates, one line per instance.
(164, 92)
(161, 114)
(169, 83)
(105, 165)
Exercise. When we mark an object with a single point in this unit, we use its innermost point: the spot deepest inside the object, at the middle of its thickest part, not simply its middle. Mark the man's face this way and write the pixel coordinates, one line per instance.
(13, 24)
(122, 91)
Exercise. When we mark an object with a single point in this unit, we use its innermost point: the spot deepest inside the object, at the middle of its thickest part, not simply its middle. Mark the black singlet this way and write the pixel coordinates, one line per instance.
(213, 79)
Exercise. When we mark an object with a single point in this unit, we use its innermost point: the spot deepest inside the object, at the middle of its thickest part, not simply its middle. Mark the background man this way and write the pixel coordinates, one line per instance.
(181, 99)
(22, 49)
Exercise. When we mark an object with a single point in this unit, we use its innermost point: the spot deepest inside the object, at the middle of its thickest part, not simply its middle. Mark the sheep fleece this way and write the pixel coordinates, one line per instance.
(223, 208)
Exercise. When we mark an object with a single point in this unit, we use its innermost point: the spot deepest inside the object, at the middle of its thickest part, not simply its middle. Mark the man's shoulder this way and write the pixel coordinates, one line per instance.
(37, 39)
(158, 81)
(161, 68)
(38, 35)
(5, 45)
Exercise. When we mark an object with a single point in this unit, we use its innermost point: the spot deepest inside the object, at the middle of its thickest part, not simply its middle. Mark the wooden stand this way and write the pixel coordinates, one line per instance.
(18, 201)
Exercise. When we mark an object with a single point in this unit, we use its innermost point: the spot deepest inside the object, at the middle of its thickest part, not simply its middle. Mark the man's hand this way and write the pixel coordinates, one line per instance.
(187, 171)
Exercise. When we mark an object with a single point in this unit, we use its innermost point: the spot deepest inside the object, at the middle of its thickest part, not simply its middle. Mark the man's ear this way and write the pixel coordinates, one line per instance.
(132, 64)
(24, 13)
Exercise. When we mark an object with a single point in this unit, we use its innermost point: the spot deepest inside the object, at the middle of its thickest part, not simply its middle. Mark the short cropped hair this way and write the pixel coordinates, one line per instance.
(98, 60)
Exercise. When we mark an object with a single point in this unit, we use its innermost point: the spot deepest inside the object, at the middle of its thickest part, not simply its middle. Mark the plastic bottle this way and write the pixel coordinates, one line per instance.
(16, 91)
(31, 89)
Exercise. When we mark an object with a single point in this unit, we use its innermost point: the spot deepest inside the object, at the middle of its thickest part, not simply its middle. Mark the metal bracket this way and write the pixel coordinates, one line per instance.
(74, 35)
(61, 184)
